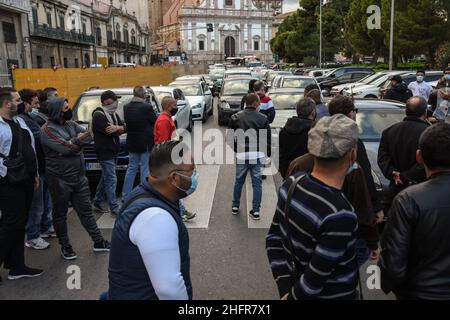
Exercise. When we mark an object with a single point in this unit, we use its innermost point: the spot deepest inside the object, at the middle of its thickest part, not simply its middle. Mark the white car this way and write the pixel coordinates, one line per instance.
(339, 89)
(370, 90)
(300, 82)
(183, 118)
(199, 96)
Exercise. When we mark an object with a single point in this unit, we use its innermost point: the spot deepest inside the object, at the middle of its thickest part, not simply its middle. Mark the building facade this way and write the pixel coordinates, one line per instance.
(83, 33)
(14, 38)
(240, 28)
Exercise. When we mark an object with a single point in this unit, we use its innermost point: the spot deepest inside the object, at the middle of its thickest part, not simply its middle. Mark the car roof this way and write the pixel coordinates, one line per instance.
(295, 77)
(377, 104)
(180, 82)
(240, 78)
(98, 92)
(286, 91)
(161, 88)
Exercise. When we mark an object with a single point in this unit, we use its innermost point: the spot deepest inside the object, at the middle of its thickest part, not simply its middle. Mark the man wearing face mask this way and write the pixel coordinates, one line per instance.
(149, 257)
(311, 243)
(164, 131)
(107, 128)
(420, 88)
(39, 225)
(63, 141)
(443, 97)
(18, 180)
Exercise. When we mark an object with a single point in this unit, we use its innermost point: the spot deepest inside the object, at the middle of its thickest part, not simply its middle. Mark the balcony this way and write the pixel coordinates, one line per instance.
(59, 34)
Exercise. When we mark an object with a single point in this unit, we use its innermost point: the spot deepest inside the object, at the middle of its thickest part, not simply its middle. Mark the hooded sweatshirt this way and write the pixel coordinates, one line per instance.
(61, 145)
(293, 141)
(399, 93)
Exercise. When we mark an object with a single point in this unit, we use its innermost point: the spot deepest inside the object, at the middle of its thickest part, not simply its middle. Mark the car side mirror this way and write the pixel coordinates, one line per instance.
(325, 93)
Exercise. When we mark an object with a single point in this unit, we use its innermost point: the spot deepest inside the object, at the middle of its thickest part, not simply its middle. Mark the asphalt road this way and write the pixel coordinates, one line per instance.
(228, 258)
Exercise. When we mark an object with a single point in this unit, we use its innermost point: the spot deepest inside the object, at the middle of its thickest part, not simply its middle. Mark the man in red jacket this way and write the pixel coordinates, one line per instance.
(164, 131)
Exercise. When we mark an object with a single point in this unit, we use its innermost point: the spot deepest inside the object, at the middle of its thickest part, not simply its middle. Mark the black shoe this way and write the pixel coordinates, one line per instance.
(25, 272)
(102, 246)
(255, 215)
(68, 253)
(263, 177)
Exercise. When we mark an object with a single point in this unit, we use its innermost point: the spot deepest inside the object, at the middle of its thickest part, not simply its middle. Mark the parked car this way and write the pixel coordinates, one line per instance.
(83, 109)
(217, 76)
(346, 78)
(340, 71)
(233, 90)
(339, 89)
(196, 78)
(300, 82)
(199, 96)
(270, 75)
(284, 101)
(183, 118)
(237, 72)
(430, 76)
(371, 90)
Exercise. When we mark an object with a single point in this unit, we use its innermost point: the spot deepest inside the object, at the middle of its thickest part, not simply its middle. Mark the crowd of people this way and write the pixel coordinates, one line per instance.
(329, 219)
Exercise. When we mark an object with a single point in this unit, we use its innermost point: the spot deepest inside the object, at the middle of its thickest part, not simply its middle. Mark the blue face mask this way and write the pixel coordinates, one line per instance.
(419, 78)
(352, 168)
(34, 111)
(447, 77)
(194, 183)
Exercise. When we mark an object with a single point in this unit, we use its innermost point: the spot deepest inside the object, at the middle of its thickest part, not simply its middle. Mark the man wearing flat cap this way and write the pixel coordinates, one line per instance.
(311, 243)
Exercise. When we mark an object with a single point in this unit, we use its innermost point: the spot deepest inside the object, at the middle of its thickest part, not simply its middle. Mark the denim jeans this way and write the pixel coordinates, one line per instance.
(137, 162)
(106, 189)
(362, 252)
(40, 215)
(255, 168)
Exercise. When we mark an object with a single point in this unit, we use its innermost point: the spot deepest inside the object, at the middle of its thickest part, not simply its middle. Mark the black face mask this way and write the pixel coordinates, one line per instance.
(174, 111)
(68, 115)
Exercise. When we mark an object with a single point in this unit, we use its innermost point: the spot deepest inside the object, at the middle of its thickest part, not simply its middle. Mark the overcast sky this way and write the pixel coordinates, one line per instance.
(290, 5)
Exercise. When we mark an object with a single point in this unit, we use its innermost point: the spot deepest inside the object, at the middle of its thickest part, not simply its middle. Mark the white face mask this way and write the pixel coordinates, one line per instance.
(34, 111)
(352, 168)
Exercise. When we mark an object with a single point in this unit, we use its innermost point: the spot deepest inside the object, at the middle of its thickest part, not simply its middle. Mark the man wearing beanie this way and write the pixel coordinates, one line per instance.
(311, 243)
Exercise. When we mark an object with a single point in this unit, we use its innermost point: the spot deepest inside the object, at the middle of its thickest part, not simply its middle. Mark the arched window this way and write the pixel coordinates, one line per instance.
(256, 43)
(118, 33)
(133, 37)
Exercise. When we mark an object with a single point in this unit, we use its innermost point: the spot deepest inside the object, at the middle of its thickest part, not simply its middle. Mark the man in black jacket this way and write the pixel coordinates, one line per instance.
(344, 105)
(399, 90)
(107, 128)
(398, 146)
(140, 119)
(415, 261)
(250, 127)
(294, 136)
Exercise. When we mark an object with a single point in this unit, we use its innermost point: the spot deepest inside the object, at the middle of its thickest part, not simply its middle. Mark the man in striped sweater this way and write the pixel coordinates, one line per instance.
(321, 225)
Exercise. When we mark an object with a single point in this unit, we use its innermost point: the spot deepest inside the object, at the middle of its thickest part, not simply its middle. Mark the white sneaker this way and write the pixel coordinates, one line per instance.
(235, 211)
(37, 244)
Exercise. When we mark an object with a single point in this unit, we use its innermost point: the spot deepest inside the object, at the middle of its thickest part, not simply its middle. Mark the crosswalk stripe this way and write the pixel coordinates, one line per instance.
(200, 202)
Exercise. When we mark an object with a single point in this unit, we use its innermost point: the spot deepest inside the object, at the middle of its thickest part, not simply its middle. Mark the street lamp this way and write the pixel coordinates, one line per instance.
(391, 46)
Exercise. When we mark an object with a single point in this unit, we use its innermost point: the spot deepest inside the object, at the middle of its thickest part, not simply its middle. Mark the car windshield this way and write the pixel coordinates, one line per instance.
(188, 89)
(235, 87)
(272, 75)
(161, 94)
(88, 104)
(372, 123)
(297, 82)
(285, 101)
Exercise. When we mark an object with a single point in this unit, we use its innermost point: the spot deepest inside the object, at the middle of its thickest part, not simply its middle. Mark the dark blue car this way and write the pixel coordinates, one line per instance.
(83, 109)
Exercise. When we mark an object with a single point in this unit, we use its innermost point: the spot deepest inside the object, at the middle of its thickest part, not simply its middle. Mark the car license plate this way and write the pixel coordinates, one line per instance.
(94, 166)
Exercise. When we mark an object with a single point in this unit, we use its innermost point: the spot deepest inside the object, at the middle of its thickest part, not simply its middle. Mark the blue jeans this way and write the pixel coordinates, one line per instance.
(40, 215)
(137, 162)
(241, 173)
(107, 186)
(362, 252)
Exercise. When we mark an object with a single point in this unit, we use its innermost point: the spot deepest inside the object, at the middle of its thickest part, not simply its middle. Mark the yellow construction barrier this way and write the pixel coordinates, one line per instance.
(71, 82)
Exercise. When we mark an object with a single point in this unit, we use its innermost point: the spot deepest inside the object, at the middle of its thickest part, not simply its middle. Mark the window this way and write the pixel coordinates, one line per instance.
(99, 36)
(9, 32)
(66, 63)
(228, 3)
(84, 28)
(118, 36)
(109, 36)
(35, 16)
(256, 45)
(125, 36)
(77, 64)
(52, 61)
(201, 45)
(39, 62)
(49, 19)
(62, 22)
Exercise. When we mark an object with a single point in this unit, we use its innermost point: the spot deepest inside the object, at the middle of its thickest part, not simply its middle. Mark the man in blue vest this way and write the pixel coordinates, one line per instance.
(149, 257)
